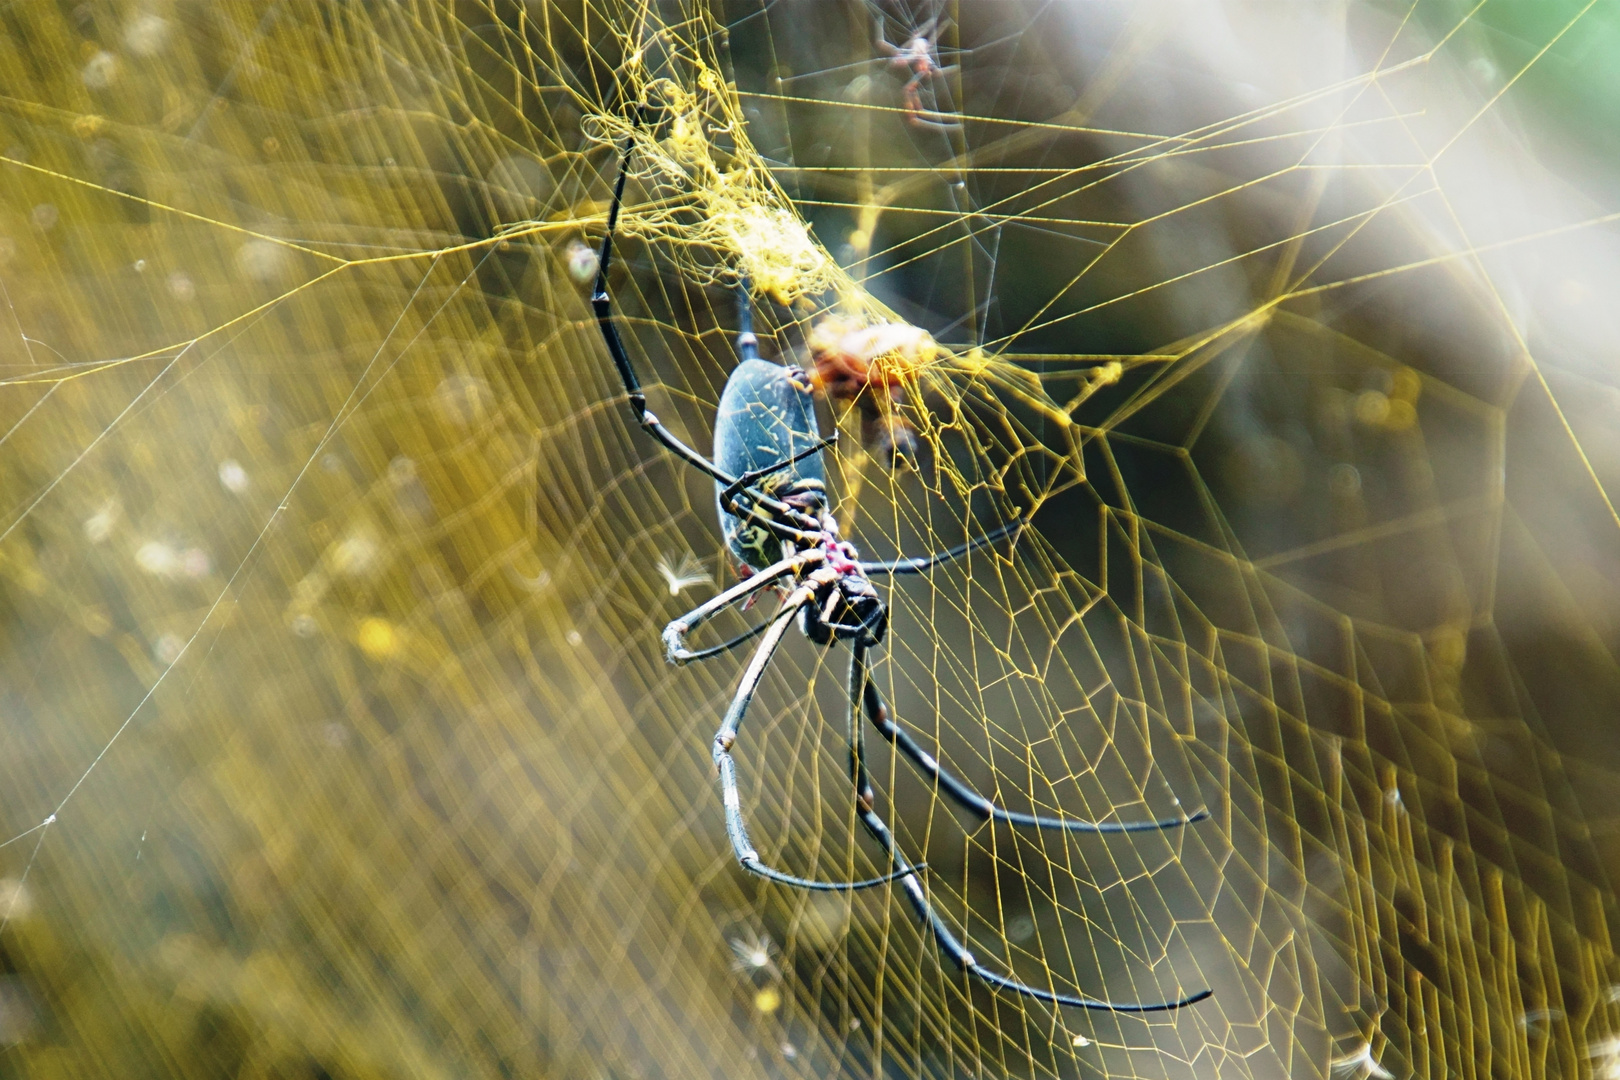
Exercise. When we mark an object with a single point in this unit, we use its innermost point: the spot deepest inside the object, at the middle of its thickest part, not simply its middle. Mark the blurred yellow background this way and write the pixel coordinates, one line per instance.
(335, 737)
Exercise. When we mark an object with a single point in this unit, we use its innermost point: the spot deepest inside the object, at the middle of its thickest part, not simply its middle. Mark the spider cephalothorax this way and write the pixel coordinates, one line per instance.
(845, 605)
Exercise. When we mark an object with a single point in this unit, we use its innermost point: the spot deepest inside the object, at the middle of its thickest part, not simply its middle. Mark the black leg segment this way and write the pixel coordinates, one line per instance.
(920, 563)
(945, 938)
(982, 807)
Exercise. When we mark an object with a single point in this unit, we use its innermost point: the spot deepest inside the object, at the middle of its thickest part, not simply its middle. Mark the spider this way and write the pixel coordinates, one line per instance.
(771, 497)
(920, 56)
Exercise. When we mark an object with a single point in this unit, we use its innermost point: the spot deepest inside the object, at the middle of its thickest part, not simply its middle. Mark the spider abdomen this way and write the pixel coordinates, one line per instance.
(766, 416)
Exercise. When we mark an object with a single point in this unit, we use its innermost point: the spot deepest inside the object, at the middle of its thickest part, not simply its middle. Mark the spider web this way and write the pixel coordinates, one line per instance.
(336, 736)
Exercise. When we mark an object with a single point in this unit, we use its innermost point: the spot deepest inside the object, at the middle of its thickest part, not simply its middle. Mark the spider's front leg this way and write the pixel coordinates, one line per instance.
(602, 305)
(726, 737)
(861, 697)
(781, 517)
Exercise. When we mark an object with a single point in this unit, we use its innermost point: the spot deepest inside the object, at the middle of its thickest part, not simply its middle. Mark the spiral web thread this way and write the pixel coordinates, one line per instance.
(336, 740)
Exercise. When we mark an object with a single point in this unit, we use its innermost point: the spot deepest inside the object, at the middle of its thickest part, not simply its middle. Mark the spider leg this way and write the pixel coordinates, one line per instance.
(736, 829)
(716, 650)
(916, 115)
(964, 795)
(944, 938)
(919, 118)
(880, 34)
(675, 650)
(982, 807)
(602, 305)
(728, 497)
(919, 563)
(747, 343)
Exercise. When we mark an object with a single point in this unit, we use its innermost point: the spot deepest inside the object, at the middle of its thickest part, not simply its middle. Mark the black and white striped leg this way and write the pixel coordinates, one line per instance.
(945, 938)
(726, 737)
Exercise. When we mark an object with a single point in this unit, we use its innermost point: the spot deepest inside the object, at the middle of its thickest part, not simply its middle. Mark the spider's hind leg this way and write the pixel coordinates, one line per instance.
(945, 938)
(981, 807)
(925, 763)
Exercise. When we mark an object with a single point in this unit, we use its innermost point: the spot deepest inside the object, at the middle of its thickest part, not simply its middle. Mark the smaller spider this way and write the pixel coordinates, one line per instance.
(920, 56)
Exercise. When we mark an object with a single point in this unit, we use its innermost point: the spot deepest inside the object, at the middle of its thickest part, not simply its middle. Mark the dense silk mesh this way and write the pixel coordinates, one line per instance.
(336, 738)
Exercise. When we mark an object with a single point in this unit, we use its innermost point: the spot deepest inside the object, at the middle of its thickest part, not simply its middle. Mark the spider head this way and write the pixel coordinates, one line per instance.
(845, 607)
